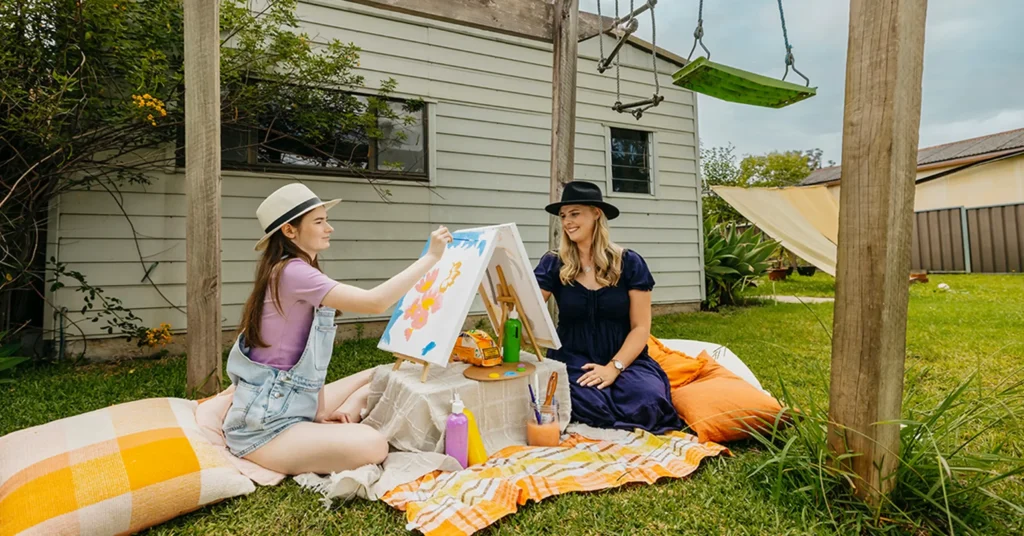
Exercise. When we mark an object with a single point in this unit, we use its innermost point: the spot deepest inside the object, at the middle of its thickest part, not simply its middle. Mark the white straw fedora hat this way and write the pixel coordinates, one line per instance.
(284, 205)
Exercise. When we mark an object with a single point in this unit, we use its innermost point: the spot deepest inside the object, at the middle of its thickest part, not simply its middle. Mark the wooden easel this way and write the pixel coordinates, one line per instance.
(426, 366)
(509, 301)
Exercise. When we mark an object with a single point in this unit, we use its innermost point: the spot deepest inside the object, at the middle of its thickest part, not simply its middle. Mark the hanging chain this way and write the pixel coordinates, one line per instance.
(790, 59)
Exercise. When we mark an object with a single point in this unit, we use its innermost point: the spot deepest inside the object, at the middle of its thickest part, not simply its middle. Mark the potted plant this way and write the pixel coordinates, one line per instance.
(806, 271)
(777, 271)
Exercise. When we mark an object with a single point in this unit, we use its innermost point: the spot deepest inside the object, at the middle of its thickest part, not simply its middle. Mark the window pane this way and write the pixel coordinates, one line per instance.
(234, 145)
(281, 136)
(631, 171)
(402, 144)
(282, 139)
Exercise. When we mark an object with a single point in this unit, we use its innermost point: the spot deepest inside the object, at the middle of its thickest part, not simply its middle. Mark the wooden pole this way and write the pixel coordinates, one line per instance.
(563, 112)
(880, 135)
(563, 105)
(202, 194)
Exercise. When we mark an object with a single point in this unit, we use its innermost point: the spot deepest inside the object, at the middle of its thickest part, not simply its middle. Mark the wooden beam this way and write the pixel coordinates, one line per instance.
(880, 134)
(563, 106)
(532, 19)
(202, 192)
(565, 18)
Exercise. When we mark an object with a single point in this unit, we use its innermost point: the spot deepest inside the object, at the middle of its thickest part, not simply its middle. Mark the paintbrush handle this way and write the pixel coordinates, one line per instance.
(552, 385)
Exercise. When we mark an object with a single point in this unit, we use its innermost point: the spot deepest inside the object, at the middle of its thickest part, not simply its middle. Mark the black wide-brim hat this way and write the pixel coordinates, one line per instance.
(583, 193)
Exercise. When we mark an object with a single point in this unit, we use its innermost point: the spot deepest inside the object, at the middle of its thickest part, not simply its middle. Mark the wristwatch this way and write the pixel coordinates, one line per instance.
(618, 366)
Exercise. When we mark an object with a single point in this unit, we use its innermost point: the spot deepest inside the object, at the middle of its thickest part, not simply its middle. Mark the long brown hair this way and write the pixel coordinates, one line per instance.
(280, 249)
(607, 255)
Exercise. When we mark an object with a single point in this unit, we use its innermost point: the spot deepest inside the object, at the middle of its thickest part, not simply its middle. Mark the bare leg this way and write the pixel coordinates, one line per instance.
(309, 447)
(334, 394)
(350, 411)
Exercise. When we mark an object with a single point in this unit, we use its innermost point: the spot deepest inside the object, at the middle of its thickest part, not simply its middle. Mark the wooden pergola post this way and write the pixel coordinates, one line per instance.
(202, 194)
(565, 37)
(881, 120)
(563, 105)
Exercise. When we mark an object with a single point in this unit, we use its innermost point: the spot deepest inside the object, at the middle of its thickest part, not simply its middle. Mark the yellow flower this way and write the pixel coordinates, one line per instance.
(9, 277)
(150, 117)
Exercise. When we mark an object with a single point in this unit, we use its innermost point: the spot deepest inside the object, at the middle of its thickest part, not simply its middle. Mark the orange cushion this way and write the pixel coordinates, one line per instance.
(680, 368)
(116, 470)
(720, 406)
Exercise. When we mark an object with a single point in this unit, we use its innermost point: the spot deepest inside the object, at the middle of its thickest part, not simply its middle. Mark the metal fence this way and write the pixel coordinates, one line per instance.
(977, 240)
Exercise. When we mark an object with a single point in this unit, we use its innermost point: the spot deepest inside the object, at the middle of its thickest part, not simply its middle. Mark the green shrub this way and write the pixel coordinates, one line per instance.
(732, 259)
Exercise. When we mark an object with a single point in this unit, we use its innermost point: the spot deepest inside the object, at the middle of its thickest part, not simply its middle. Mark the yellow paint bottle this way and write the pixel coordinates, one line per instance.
(477, 452)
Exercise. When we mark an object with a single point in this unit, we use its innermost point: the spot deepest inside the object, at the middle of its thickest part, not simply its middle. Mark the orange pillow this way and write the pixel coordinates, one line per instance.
(680, 368)
(720, 406)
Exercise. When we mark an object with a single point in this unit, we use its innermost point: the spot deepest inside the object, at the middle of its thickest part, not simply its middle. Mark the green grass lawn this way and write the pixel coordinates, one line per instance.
(979, 324)
(818, 285)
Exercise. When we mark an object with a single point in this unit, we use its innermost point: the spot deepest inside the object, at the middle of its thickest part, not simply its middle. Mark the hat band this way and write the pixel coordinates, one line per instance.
(291, 214)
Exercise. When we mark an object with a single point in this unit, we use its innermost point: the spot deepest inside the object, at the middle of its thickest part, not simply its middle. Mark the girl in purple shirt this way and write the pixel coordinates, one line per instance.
(283, 417)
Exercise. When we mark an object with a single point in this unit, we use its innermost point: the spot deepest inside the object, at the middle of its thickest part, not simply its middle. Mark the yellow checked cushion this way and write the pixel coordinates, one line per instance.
(116, 470)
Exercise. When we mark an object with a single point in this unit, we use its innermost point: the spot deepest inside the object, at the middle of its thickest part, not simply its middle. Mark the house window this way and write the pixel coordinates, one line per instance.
(398, 150)
(631, 161)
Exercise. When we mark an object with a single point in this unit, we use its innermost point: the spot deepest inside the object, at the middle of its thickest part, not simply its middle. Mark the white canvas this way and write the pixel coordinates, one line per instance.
(428, 319)
(510, 254)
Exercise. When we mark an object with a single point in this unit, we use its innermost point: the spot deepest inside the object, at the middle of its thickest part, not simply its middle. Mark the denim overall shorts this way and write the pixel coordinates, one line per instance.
(268, 400)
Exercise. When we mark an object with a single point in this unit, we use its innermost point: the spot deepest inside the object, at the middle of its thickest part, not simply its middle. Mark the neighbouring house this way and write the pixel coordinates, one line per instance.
(978, 172)
(479, 154)
(968, 203)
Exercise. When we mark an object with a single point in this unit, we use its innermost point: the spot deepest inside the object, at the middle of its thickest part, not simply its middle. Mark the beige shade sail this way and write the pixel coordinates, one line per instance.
(804, 219)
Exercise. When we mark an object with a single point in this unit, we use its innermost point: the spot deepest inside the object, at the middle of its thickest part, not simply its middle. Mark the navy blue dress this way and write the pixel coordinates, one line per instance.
(592, 325)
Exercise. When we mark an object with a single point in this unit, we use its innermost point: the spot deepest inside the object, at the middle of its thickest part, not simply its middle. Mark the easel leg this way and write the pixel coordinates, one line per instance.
(399, 358)
(526, 323)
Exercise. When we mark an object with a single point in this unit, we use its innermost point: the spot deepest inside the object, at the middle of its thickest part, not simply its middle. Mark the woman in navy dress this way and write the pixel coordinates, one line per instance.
(604, 300)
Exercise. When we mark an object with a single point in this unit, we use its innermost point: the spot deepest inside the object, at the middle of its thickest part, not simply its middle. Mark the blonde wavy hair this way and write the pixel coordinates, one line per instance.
(607, 255)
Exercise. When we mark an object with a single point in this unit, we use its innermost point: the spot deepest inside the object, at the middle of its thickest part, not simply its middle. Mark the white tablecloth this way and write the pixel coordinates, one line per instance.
(412, 414)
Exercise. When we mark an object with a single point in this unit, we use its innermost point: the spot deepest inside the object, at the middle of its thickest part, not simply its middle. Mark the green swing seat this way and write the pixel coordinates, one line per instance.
(736, 85)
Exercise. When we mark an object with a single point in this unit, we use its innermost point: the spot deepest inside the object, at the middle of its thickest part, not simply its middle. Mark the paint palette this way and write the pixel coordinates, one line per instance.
(502, 372)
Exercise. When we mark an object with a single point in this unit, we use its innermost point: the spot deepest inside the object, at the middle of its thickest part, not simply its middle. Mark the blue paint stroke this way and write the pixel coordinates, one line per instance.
(469, 240)
(428, 348)
(394, 318)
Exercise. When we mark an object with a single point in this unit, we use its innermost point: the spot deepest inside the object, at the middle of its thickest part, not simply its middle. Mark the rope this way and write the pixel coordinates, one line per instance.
(785, 35)
(790, 60)
(654, 53)
(618, 77)
(600, 36)
(698, 33)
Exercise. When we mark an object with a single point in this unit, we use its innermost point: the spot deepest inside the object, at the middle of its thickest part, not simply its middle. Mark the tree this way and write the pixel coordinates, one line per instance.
(778, 168)
(93, 93)
(719, 168)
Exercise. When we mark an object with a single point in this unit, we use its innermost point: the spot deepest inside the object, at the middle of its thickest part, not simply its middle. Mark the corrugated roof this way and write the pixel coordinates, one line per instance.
(992, 143)
(822, 175)
(1012, 139)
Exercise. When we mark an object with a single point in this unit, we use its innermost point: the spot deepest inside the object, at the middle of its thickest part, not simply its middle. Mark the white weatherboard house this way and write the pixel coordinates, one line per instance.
(482, 156)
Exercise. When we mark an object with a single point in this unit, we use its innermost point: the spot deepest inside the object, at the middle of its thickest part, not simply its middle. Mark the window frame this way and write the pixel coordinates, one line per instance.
(652, 155)
(428, 175)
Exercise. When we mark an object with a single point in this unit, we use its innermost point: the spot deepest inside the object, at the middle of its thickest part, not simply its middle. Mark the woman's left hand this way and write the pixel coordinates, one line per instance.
(598, 375)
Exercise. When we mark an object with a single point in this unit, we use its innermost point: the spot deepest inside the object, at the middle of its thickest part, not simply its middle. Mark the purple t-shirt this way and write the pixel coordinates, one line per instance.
(302, 289)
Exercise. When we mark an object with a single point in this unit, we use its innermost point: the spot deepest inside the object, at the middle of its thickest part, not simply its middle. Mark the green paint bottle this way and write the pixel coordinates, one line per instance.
(513, 336)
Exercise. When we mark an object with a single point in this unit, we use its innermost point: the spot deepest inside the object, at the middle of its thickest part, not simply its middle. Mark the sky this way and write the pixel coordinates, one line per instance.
(973, 68)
